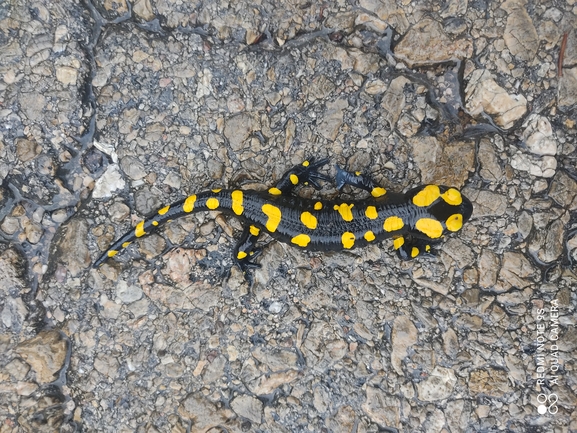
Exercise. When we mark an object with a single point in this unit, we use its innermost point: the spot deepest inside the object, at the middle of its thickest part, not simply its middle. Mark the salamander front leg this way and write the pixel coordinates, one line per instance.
(302, 174)
(358, 180)
(245, 252)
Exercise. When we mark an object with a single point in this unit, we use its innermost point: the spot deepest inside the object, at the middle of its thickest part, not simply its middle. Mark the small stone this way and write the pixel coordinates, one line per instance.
(45, 354)
(438, 386)
(388, 12)
(545, 166)
(393, 100)
(426, 43)
(492, 382)
(487, 203)
(33, 105)
(564, 190)
(146, 201)
(143, 9)
(238, 129)
(371, 22)
(538, 135)
(547, 244)
(67, 74)
(73, 246)
(488, 269)
(483, 94)
(404, 335)
(450, 343)
(132, 167)
(332, 119)
(118, 212)
(109, 182)
(248, 407)
(447, 164)
(381, 407)
(515, 271)
(567, 94)
(27, 149)
(268, 383)
(10, 225)
(33, 232)
(520, 35)
(127, 294)
(490, 166)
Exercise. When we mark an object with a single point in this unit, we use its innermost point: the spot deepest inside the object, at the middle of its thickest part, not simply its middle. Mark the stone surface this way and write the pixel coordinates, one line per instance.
(112, 109)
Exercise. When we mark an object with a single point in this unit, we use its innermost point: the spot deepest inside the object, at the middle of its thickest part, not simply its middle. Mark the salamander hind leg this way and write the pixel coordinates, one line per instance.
(358, 180)
(409, 247)
(302, 174)
(245, 252)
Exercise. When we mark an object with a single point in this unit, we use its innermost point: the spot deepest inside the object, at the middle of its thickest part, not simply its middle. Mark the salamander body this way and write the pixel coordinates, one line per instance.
(414, 220)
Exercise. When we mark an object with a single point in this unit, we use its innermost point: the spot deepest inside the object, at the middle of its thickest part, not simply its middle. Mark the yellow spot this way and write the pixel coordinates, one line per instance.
(254, 230)
(357, 173)
(371, 212)
(217, 190)
(212, 203)
(294, 179)
(454, 222)
(188, 205)
(112, 253)
(318, 205)
(348, 240)
(241, 255)
(393, 223)
(274, 215)
(345, 211)
(306, 164)
(237, 206)
(378, 191)
(163, 210)
(154, 223)
(427, 248)
(414, 252)
(301, 240)
(309, 220)
(139, 230)
(274, 191)
(398, 242)
(427, 195)
(432, 228)
(452, 197)
(125, 244)
(369, 236)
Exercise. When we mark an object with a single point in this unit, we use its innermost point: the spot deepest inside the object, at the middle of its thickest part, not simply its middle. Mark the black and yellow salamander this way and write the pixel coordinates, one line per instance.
(413, 220)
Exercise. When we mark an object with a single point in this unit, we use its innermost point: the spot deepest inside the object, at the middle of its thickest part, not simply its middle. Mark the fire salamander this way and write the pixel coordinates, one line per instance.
(413, 220)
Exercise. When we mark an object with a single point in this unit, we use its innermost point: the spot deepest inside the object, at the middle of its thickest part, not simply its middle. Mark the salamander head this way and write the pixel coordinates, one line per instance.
(447, 205)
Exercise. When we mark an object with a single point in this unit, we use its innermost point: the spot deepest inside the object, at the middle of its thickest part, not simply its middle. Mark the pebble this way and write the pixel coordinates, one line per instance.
(427, 43)
(538, 135)
(439, 385)
(484, 95)
(110, 182)
(45, 354)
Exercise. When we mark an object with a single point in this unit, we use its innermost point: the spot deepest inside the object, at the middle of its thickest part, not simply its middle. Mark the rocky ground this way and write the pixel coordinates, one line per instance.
(111, 109)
